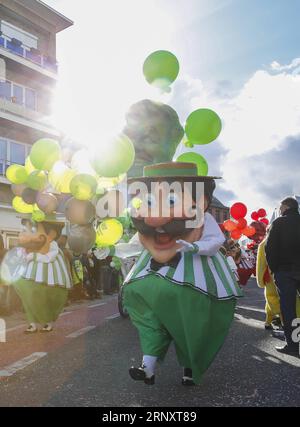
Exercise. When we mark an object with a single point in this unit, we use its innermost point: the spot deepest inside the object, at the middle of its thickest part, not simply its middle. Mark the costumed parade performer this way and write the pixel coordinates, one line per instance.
(45, 279)
(182, 289)
(265, 280)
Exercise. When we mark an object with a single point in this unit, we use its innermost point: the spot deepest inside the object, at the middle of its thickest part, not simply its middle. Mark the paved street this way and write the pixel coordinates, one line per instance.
(85, 361)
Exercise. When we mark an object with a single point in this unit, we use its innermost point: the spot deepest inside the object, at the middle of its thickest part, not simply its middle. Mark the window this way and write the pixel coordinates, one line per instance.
(5, 89)
(17, 153)
(12, 152)
(30, 98)
(17, 95)
(3, 155)
(27, 39)
(12, 241)
(218, 218)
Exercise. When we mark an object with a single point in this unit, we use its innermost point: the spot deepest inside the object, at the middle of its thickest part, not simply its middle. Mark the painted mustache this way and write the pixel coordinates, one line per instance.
(174, 228)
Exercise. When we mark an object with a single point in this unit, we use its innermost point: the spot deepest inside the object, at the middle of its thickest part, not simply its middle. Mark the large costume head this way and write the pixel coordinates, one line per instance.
(37, 236)
(155, 131)
(172, 200)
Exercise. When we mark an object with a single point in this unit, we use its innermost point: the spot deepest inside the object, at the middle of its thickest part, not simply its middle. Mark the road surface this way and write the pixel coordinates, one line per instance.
(85, 361)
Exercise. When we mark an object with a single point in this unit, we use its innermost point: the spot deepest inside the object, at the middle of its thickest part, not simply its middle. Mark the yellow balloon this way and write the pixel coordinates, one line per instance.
(29, 166)
(20, 206)
(109, 232)
(61, 176)
(17, 174)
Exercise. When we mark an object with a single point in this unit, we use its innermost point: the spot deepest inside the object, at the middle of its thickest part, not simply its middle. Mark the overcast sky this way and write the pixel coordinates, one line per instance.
(239, 57)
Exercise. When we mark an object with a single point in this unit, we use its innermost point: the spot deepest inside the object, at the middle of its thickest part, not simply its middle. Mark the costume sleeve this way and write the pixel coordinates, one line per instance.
(273, 245)
(130, 249)
(261, 265)
(212, 238)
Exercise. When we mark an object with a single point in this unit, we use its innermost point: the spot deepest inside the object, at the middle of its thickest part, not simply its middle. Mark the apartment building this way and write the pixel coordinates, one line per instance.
(28, 75)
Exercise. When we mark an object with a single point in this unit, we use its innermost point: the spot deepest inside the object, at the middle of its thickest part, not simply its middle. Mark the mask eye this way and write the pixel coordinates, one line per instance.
(33, 230)
(150, 200)
(172, 199)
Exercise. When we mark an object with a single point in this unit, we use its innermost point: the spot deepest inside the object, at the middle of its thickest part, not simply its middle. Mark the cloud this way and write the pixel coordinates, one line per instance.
(258, 151)
(293, 67)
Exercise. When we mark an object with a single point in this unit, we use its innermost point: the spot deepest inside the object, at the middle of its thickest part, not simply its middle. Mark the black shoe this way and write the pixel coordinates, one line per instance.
(268, 326)
(287, 349)
(187, 382)
(138, 374)
(187, 379)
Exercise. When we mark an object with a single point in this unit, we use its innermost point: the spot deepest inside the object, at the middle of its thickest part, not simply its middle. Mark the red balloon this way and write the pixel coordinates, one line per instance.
(229, 225)
(238, 210)
(254, 216)
(249, 231)
(236, 234)
(242, 223)
(264, 221)
(261, 213)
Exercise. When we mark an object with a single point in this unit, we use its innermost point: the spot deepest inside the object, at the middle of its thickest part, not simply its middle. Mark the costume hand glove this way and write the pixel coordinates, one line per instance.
(186, 246)
(102, 253)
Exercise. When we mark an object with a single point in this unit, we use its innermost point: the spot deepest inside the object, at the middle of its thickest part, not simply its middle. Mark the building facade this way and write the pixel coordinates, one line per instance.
(28, 75)
(220, 212)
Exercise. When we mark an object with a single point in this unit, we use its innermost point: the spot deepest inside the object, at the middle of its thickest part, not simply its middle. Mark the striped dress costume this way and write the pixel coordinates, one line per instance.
(190, 304)
(43, 287)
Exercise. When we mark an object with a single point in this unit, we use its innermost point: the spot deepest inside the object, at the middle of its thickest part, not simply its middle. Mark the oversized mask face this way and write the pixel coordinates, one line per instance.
(34, 237)
(167, 214)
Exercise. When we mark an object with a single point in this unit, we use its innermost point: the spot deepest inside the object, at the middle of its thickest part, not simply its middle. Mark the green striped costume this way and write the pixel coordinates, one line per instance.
(192, 305)
(43, 289)
(54, 273)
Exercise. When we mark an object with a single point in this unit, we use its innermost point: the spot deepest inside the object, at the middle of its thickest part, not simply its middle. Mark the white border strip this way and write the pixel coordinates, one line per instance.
(81, 332)
(10, 370)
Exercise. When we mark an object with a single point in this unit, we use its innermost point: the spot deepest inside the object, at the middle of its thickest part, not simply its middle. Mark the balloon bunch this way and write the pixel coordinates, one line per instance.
(203, 125)
(53, 179)
(240, 227)
(260, 231)
(260, 216)
(47, 184)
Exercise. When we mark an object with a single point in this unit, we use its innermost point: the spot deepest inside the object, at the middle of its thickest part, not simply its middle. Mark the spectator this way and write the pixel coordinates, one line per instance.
(77, 292)
(89, 282)
(230, 255)
(265, 280)
(283, 257)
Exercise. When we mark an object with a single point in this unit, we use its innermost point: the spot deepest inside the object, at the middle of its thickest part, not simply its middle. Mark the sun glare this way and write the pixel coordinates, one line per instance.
(101, 72)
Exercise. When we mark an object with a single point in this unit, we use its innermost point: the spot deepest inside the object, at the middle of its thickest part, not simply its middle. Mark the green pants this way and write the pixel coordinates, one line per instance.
(164, 312)
(42, 304)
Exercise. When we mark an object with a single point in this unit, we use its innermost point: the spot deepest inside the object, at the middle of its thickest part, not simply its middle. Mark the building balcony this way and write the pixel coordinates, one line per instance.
(14, 49)
(18, 104)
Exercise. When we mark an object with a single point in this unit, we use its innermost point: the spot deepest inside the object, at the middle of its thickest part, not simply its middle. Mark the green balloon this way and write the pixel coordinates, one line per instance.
(16, 174)
(83, 186)
(38, 216)
(116, 159)
(190, 157)
(161, 68)
(203, 126)
(37, 180)
(44, 153)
